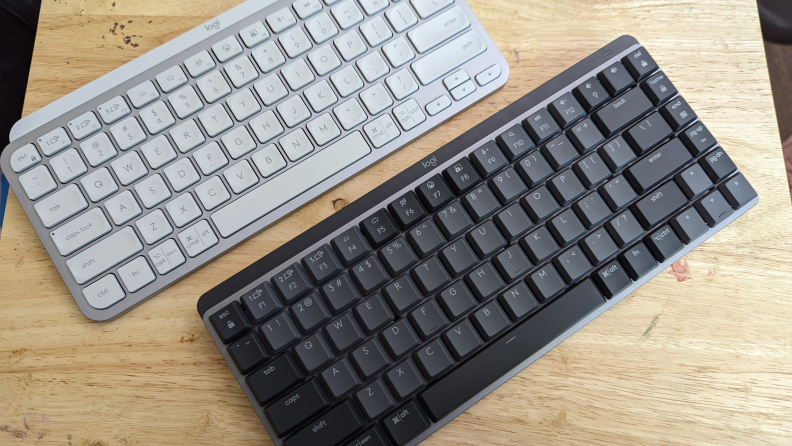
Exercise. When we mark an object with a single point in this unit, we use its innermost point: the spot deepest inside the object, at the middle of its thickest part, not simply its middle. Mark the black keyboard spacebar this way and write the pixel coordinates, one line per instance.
(515, 347)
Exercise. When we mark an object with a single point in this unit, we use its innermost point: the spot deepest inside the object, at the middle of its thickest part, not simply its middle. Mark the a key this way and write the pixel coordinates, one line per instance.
(663, 202)
(434, 193)
(351, 245)
(697, 138)
(624, 228)
(397, 256)
(379, 228)
(566, 227)
(717, 164)
(533, 168)
(566, 110)
(591, 210)
(488, 159)
(296, 406)
(375, 399)
(585, 136)
(340, 378)
(248, 353)
(517, 301)
(663, 243)
(545, 283)
(511, 263)
(458, 257)
(453, 220)
(622, 111)
(261, 302)
(514, 142)
(337, 424)
(279, 333)
(637, 261)
(512, 222)
(370, 358)
(425, 238)
(399, 338)
(485, 239)
(407, 210)
(369, 274)
(292, 283)
(616, 154)
(434, 359)
(230, 322)
(428, 318)
(737, 191)
(484, 281)
(598, 246)
(572, 264)
(322, 264)
(559, 152)
(541, 126)
(693, 181)
(616, 78)
(507, 186)
(539, 245)
(430, 276)
(617, 193)
(402, 294)
(480, 203)
(461, 176)
(373, 313)
(340, 293)
(462, 339)
(310, 312)
(274, 378)
(612, 279)
(658, 165)
(647, 133)
(456, 300)
(404, 379)
(713, 208)
(678, 113)
(490, 320)
(688, 225)
(566, 187)
(591, 94)
(313, 353)
(343, 333)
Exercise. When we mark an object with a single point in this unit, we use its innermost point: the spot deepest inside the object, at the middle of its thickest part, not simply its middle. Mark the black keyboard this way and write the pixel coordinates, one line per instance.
(387, 320)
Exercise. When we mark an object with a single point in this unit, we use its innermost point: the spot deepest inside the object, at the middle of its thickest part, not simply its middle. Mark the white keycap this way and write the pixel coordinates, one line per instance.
(295, 42)
(123, 207)
(105, 293)
(185, 102)
(157, 118)
(166, 256)
(439, 29)
(238, 142)
(373, 6)
(181, 175)
(331, 2)
(269, 160)
(68, 165)
(187, 136)
(409, 114)
(37, 183)
(293, 111)
(350, 45)
(350, 114)
(347, 81)
(98, 149)
(171, 79)
(227, 49)
(281, 19)
(320, 96)
(268, 57)
(99, 184)
(240, 176)
(401, 17)
(136, 274)
(425, 8)
(104, 255)
(25, 157)
(116, 108)
(438, 105)
(254, 34)
(158, 152)
(214, 87)
(306, 8)
(296, 144)
(402, 84)
(210, 158)
(198, 238)
(298, 74)
(199, 64)
(321, 28)
(266, 126)
(215, 120)
(241, 71)
(61, 205)
(324, 60)
(347, 14)
(323, 129)
(289, 184)
(183, 209)
(382, 131)
(129, 168)
(212, 193)
(54, 141)
(398, 52)
(271, 89)
(456, 79)
(152, 191)
(143, 94)
(376, 99)
(86, 124)
(488, 75)
(375, 31)
(80, 231)
(448, 57)
(243, 105)
(154, 226)
(128, 133)
(463, 90)
(372, 66)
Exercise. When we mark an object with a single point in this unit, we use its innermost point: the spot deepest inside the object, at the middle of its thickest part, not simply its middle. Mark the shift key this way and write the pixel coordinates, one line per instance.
(662, 202)
(622, 112)
(658, 165)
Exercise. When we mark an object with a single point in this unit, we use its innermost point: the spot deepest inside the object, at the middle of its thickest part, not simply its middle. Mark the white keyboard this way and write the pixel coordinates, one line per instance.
(142, 176)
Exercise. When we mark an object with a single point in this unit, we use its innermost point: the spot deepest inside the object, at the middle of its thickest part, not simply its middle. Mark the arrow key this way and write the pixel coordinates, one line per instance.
(689, 225)
(714, 208)
(693, 181)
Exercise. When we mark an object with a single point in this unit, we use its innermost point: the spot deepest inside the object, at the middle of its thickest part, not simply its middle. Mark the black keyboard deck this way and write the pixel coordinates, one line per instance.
(391, 317)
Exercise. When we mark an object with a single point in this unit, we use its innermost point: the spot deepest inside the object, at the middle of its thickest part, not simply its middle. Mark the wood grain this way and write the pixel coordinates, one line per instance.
(700, 355)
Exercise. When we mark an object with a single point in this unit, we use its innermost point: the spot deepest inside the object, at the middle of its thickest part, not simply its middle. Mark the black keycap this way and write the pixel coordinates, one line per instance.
(404, 379)
(598, 246)
(697, 139)
(657, 206)
(539, 204)
(517, 301)
(407, 210)
(591, 210)
(456, 300)
(507, 186)
(261, 302)
(559, 152)
(375, 399)
(512, 222)
(480, 202)
(737, 191)
(340, 293)
(279, 333)
(545, 283)
(351, 245)
(274, 378)
(616, 154)
(617, 193)
(566, 227)
(591, 94)
(657, 165)
(639, 63)
(322, 264)
(425, 238)
(566, 110)
(591, 170)
(434, 193)
(458, 257)
(231, 322)
(678, 113)
(453, 220)
(371, 437)
(511, 263)
(624, 228)
(379, 228)
(485, 239)
(663, 243)
(713, 208)
(292, 283)
(637, 261)
(533, 168)
(693, 181)
(313, 353)
(688, 225)
(622, 112)
(343, 333)
(310, 312)
(462, 339)
(658, 88)
(717, 164)
(399, 338)
(490, 320)
(514, 142)
(248, 353)
(648, 133)
(373, 313)
(484, 281)
(297, 406)
(541, 126)
(430, 276)
(566, 187)
(370, 358)
(497, 359)
(461, 176)
(369, 275)
(572, 264)
(332, 427)
(539, 245)
(402, 294)
(405, 423)
(428, 318)
(616, 78)
(488, 159)
(585, 136)
(612, 279)
(397, 256)
(433, 359)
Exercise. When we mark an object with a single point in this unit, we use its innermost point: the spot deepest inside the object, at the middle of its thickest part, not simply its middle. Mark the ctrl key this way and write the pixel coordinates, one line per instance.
(274, 378)
(405, 423)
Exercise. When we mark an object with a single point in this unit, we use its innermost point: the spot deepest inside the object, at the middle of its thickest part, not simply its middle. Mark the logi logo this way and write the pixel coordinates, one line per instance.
(431, 162)
(213, 25)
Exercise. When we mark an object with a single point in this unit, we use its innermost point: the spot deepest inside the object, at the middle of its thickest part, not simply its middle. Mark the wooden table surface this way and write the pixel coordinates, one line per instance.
(700, 355)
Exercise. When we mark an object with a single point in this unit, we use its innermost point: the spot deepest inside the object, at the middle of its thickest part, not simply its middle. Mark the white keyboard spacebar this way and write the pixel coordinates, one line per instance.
(289, 184)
